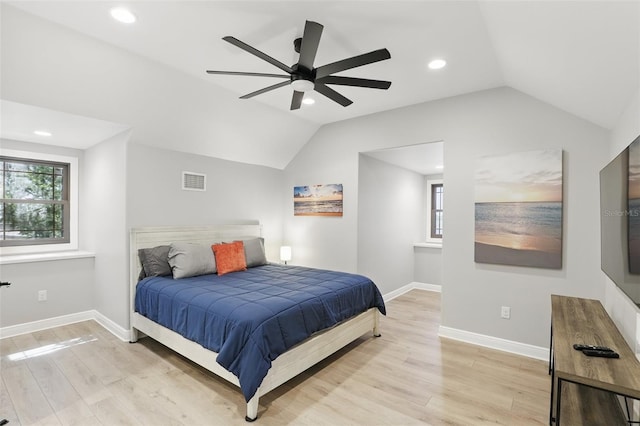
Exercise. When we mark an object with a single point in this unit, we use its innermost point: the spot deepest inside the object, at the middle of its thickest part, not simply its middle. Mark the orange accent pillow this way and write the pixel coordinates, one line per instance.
(229, 257)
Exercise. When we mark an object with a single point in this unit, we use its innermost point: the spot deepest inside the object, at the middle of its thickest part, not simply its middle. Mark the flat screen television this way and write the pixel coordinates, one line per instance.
(620, 220)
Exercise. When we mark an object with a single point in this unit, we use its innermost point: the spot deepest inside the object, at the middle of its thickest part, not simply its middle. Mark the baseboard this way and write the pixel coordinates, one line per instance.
(474, 338)
(30, 327)
(112, 327)
(411, 286)
(504, 345)
(447, 332)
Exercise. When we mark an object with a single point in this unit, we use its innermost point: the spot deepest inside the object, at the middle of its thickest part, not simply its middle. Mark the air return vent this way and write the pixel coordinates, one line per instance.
(194, 181)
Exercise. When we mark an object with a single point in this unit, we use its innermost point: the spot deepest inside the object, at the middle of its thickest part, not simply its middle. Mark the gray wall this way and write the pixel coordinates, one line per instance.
(428, 260)
(390, 220)
(71, 72)
(235, 192)
(103, 220)
(427, 266)
(69, 286)
(491, 122)
(127, 185)
(69, 283)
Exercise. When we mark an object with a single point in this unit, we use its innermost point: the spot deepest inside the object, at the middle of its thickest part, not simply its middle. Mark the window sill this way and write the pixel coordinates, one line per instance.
(437, 245)
(44, 257)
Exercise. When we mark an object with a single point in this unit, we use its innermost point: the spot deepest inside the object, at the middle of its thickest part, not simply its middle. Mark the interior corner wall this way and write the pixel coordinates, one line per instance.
(491, 122)
(390, 218)
(103, 225)
(51, 66)
(622, 310)
(235, 192)
(69, 283)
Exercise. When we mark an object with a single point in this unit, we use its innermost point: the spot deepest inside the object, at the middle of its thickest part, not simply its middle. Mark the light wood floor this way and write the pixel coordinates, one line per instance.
(80, 374)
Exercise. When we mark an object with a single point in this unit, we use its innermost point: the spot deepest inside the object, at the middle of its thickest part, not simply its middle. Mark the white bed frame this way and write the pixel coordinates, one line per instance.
(286, 366)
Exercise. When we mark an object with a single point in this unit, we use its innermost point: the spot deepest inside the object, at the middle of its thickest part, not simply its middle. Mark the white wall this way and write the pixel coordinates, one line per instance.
(624, 312)
(491, 122)
(390, 220)
(69, 283)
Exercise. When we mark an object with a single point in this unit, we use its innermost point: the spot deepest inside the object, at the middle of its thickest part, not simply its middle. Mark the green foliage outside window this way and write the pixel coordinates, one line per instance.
(35, 202)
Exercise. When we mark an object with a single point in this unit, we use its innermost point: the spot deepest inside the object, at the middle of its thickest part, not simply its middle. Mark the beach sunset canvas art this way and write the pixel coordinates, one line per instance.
(518, 209)
(634, 207)
(317, 200)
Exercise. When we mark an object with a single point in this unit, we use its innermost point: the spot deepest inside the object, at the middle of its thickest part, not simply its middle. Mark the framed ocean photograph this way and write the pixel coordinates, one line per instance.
(633, 200)
(518, 209)
(317, 200)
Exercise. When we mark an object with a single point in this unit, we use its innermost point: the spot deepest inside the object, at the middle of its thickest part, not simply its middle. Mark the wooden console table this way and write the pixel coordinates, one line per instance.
(584, 389)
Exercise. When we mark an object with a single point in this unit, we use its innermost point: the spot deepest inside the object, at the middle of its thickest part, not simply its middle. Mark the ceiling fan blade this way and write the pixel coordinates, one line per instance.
(332, 94)
(310, 42)
(296, 100)
(351, 81)
(266, 89)
(256, 52)
(353, 62)
(255, 74)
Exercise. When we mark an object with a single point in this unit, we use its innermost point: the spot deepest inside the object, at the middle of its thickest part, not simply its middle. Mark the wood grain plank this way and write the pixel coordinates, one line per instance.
(30, 404)
(588, 396)
(577, 320)
(408, 376)
(6, 405)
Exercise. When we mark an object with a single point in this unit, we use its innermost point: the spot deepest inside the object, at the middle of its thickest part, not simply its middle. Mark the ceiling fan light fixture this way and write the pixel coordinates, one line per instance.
(302, 85)
(303, 76)
(123, 15)
(437, 64)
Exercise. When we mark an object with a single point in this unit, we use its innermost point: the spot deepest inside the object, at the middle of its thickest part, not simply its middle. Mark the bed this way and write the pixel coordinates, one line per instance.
(280, 320)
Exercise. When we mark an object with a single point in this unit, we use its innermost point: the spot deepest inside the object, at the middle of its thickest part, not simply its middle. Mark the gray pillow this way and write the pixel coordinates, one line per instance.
(254, 252)
(190, 260)
(154, 262)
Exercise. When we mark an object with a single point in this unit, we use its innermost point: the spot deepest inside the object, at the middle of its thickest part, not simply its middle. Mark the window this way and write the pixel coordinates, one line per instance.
(435, 210)
(437, 194)
(35, 202)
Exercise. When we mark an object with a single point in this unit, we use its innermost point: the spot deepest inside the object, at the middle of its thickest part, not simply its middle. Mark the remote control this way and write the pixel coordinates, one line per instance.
(579, 347)
(603, 354)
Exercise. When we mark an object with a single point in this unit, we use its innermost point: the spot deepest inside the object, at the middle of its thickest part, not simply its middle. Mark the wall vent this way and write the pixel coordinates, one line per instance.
(194, 181)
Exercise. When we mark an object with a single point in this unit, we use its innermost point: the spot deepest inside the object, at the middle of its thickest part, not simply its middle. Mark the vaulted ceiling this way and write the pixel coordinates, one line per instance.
(580, 56)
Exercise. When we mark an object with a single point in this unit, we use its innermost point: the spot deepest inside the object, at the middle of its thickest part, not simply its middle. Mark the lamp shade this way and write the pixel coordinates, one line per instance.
(285, 253)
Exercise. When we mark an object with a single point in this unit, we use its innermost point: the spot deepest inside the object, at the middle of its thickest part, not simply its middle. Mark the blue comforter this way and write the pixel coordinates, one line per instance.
(251, 317)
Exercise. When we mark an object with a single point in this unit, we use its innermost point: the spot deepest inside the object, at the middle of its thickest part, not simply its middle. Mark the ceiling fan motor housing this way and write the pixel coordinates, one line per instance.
(304, 77)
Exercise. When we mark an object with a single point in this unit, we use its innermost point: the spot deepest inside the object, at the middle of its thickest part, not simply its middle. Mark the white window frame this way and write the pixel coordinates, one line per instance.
(73, 204)
(428, 192)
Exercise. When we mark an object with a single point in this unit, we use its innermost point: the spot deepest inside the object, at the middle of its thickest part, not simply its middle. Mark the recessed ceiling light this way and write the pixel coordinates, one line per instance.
(123, 15)
(439, 167)
(41, 133)
(308, 101)
(437, 64)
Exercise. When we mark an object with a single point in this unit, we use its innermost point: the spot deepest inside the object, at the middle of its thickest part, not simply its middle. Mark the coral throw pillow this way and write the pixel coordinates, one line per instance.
(229, 257)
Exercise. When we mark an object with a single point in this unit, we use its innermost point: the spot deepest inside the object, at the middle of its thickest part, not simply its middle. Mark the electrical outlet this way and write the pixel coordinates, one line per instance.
(42, 296)
(505, 312)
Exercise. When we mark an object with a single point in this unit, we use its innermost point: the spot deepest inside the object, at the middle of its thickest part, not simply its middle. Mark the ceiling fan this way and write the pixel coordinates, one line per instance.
(303, 77)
